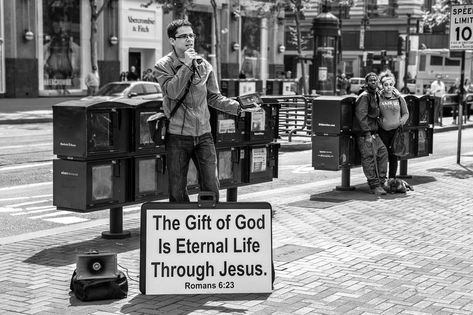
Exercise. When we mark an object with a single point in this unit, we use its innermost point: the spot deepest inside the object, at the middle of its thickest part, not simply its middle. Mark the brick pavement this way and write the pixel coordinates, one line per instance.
(339, 253)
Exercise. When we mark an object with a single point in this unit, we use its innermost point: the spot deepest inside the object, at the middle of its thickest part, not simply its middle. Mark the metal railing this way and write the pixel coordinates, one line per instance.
(451, 101)
(295, 115)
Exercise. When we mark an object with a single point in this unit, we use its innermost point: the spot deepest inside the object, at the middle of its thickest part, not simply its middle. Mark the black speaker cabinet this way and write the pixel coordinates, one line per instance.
(229, 164)
(150, 177)
(261, 163)
(91, 185)
(332, 114)
(141, 135)
(424, 141)
(412, 137)
(91, 129)
(426, 110)
(281, 87)
(412, 102)
(227, 130)
(96, 266)
(261, 126)
(237, 87)
(333, 152)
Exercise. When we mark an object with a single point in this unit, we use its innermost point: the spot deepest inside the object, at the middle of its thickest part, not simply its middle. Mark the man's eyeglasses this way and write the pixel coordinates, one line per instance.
(186, 36)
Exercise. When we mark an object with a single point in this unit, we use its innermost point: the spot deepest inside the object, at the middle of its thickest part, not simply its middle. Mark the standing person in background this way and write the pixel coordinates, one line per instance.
(148, 75)
(393, 113)
(468, 98)
(343, 84)
(132, 76)
(122, 77)
(455, 89)
(300, 85)
(374, 155)
(437, 89)
(184, 75)
(92, 81)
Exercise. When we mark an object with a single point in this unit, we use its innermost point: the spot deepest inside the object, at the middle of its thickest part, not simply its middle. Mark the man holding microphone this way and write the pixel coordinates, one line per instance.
(188, 80)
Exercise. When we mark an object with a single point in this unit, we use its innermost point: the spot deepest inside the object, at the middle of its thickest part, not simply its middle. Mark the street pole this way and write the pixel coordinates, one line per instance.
(406, 62)
(460, 107)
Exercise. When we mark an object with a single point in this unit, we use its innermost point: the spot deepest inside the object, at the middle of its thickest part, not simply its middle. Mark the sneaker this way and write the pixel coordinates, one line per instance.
(378, 191)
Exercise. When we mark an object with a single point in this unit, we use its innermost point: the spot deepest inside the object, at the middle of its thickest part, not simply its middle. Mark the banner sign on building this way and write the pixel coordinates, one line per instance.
(461, 27)
(186, 249)
(141, 24)
(61, 46)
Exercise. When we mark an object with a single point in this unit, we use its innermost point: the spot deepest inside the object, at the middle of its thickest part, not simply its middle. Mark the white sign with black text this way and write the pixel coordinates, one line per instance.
(461, 27)
(196, 251)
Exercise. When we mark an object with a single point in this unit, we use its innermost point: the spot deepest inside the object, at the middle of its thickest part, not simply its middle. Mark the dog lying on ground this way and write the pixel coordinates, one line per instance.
(398, 186)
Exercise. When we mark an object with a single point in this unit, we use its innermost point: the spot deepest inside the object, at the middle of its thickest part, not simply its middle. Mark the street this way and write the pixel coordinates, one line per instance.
(334, 252)
(26, 177)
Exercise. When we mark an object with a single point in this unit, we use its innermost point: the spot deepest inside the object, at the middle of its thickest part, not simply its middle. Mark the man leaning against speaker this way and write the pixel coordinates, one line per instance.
(183, 74)
(374, 155)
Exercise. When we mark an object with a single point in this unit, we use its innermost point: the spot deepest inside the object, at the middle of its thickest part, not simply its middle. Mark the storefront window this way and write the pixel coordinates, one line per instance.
(61, 46)
(2, 57)
(251, 48)
(202, 26)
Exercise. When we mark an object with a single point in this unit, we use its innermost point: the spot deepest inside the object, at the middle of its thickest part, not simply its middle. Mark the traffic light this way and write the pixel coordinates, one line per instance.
(384, 57)
(400, 45)
(369, 59)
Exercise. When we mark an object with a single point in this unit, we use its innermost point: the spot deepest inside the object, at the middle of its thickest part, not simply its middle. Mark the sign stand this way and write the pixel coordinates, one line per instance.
(461, 38)
(116, 225)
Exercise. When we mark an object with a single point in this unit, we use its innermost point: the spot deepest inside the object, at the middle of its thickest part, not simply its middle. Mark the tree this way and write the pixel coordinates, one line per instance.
(440, 12)
(94, 16)
(177, 7)
(273, 7)
(217, 40)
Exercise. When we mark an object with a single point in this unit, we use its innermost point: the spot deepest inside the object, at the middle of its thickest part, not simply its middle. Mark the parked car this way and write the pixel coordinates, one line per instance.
(356, 84)
(410, 87)
(128, 89)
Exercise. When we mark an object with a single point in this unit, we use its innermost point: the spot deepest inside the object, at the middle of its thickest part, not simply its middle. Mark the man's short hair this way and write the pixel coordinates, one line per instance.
(174, 25)
(371, 74)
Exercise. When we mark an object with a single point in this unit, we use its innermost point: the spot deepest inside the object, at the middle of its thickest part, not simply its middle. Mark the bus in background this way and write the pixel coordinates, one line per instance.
(430, 62)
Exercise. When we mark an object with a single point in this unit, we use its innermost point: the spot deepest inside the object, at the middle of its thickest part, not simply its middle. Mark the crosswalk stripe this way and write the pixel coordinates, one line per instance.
(17, 167)
(9, 209)
(34, 211)
(66, 220)
(39, 207)
(28, 203)
(54, 214)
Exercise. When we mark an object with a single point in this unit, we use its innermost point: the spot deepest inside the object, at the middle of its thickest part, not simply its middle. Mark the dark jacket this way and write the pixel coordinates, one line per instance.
(366, 113)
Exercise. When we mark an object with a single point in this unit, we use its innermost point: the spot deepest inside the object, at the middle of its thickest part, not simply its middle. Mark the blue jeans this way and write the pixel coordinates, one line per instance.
(201, 149)
(374, 160)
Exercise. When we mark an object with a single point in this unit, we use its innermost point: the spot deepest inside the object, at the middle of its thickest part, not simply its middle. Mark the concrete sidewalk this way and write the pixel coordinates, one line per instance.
(334, 253)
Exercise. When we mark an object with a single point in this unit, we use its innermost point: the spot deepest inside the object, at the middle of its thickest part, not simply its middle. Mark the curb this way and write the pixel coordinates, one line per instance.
(25, 121)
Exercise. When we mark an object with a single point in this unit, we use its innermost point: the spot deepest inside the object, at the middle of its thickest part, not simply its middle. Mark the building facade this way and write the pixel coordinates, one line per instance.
(45, 45)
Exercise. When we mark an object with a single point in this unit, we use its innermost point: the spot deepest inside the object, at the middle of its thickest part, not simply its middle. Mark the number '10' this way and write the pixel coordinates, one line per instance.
(465, 33)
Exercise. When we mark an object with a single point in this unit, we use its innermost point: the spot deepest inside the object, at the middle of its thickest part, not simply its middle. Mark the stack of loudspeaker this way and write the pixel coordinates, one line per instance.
(96, 278)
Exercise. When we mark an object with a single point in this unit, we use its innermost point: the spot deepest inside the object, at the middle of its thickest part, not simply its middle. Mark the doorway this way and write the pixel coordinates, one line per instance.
(134, 59)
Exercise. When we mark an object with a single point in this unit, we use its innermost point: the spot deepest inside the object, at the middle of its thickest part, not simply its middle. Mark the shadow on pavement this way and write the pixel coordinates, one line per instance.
(360, 192)
(67, 254)
(192, 303)
(466, 173)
